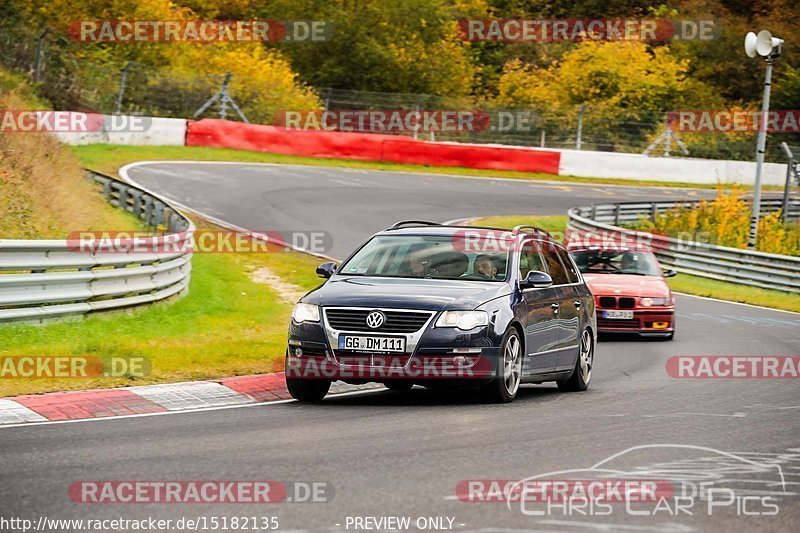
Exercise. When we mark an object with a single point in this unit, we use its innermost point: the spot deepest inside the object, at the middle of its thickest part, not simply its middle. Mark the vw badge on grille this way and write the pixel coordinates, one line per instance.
(375, 319)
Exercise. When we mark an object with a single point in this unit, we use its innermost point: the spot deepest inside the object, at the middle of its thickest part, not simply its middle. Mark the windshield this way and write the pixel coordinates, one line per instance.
(616, 262)
(425, 256)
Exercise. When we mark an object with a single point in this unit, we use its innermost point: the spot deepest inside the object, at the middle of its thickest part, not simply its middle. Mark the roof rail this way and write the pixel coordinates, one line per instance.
(402, 223)
(519, 229)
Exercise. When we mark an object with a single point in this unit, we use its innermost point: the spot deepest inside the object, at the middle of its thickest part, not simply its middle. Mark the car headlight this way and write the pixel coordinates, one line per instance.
(465, 320)
(656, 302)
(305, 313)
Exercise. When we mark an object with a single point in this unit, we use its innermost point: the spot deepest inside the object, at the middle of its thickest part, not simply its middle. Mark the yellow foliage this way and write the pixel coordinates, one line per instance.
(725, 221)
(444, 64)
(262, 79)
(605, 75)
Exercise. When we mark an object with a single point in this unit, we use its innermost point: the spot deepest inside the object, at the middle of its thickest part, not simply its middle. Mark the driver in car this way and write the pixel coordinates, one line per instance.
(630, 262)
(484, 267)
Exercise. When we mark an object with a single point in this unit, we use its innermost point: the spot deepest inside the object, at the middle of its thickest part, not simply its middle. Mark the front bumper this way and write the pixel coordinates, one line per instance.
(646, 322)
(436, 354)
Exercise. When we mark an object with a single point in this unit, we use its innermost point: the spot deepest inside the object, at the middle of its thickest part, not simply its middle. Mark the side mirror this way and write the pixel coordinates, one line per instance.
(670, 273)
(536, 280)
(326, 270)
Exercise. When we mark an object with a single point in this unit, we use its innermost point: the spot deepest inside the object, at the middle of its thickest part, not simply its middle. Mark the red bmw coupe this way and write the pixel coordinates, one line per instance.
(630, 291)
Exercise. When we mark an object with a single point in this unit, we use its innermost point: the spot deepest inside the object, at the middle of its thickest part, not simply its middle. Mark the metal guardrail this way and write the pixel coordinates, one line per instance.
(43, 279)
(746, 267)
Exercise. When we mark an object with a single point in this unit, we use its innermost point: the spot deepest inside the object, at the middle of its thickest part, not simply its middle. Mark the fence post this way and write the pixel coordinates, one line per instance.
(579, 135)
(327, 94)
(224, 99)
(420, 100)
(122, 83)
(37, 74)
(790, 169)
(223, 104)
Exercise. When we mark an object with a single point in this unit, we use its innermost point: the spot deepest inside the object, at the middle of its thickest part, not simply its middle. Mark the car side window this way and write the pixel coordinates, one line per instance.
(572, 273)
(529, 259)
(554, 266)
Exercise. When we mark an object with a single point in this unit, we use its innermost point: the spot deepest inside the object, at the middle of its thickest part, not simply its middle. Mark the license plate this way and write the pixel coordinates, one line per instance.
(619, 315)
(372, 344)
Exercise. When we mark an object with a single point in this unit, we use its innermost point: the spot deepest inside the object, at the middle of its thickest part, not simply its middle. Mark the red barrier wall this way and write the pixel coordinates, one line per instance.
(367, 147)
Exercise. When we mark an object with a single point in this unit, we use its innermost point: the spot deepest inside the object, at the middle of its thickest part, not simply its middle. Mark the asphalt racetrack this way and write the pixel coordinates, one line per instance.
(389, 454)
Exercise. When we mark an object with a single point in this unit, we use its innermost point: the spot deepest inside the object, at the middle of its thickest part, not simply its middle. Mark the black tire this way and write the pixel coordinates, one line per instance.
(399, 385)
(582, 373)
(308, 390)
(504, 388)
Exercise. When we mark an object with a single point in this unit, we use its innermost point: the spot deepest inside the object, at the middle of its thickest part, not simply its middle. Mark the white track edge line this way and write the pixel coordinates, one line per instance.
(634, 184)
(178, 412)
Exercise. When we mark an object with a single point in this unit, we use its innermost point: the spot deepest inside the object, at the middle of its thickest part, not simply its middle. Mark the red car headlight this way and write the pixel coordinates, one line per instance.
(656, 302)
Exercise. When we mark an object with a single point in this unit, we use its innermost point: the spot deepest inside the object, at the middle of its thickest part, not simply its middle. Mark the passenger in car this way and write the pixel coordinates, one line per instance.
(418, 261)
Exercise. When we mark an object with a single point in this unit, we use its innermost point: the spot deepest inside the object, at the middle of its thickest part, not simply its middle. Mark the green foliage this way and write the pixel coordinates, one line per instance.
(392, 46)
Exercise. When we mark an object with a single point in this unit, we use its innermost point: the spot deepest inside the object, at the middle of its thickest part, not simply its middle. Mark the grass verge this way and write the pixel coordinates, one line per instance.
(682, 282)
(108, 158)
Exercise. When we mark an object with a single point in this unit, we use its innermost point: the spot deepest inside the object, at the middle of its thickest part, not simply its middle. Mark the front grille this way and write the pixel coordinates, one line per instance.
(396, 321)
(609, 302)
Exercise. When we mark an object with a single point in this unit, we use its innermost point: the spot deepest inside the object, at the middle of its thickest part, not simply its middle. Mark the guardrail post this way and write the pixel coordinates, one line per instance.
(136, 208)
(594, 211)
(653, 212)
(148, 211)
(159, 214)
(123, 198)
(617, 208)
(168, 218)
